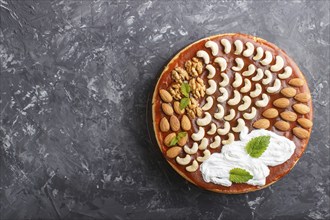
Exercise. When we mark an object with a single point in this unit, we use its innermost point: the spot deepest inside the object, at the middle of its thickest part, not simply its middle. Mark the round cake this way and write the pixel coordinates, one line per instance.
(232, 113)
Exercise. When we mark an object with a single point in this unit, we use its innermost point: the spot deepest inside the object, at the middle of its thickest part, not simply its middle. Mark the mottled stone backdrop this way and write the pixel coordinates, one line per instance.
(75, 80)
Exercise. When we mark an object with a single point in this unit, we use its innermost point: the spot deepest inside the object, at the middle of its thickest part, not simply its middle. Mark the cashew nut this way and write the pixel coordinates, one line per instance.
(211, 70)
(247, 102)
(204, 143)
(214, 47)
(216, 143)
(221, 111)
(183, 161)
(227, 45)
(268, 58)
(208, 104)
(191, 150)
(286, 74)
(224, 95)
(238, 80)
(236, 99)
(213, 129)
(240, 64)
(260, 53)
(240, 125)
(225, 129)
(263, 102)
(206, 156)
(279, 64)
(247, 86)
(225, 80)
(269, 78)
(222, 63)
(229, 140)
(276, 86)
(239, 47)
(193, 167)
(212, 88)
(256, 92)
(259, 75)
(203, 54)
(199, 135)
(231, 115)
(250, 49)
(204, 121)
(250, 71)
(251, 115)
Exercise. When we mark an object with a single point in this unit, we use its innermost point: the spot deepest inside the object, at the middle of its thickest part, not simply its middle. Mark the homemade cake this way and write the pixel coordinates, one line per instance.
(232, 113)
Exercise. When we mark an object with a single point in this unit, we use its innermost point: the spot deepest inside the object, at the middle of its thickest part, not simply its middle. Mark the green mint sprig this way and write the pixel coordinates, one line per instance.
(238, 175)
(257, 146)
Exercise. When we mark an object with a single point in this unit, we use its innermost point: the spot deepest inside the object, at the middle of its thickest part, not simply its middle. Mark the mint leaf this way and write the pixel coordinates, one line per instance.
(174, 141)
(185, 89)
(238, 175)
(257, 146)
(184, 103)
(181, 135)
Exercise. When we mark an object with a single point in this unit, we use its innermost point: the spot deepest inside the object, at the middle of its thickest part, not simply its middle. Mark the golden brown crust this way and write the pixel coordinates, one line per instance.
(243, 188)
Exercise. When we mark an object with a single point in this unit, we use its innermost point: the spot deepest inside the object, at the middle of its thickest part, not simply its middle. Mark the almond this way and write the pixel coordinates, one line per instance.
(262, 123)
(289, 92)
(165, 95)
(173, 152)
(301, 108)
(169, 138)
(304, 122)
(175, 123)
(300, 133)
(177, 109)
(185, 123)
(164, 125)
(183, 141)
(270, 113)
(289, 116)
(282, 125)
(281, 103)
(302, 97)
(167, 109)
(296, 82)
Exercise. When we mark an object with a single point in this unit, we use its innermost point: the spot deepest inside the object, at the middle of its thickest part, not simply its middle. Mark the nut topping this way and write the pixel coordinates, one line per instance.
(300, 133)
(164, 125)
(173, 152)
(169, 138)
(182, 141)
(167, 109)
(289, 116)
(304, 122)
(185, 123)
(282, 125)
(301, 108)
(297, 82)
(302, 97)
(165, 95)
(175, 123)
(194, 67)
(197, 87)
(176, 106)
(281, 103)
(180, 74)
(262, 123)
(270, 113)
(289, 92)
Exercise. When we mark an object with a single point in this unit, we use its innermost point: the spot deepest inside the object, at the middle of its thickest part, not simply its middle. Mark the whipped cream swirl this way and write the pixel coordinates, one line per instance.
(216, 168)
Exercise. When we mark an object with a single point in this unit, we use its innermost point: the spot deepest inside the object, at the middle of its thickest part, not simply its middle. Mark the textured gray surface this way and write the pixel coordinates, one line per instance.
(75, 78)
